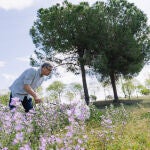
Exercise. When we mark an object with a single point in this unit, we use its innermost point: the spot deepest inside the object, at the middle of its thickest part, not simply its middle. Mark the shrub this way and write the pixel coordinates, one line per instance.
(95, 113)
(93, 97)
(4, 99)
(145, 91)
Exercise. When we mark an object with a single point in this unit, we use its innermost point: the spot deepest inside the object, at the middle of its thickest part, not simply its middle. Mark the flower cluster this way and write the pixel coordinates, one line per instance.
(109, 122)
(60, 127)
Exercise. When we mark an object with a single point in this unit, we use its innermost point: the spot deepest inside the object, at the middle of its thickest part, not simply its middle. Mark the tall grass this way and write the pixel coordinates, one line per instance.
(63, 127)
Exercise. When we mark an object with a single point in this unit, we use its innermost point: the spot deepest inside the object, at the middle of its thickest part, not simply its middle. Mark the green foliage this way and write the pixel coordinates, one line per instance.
(56, 88)
(70, 95)
(93, 97)
(117, 115)
(145, 115)
(39, 90)
(95, 114)
(145, 91)
(138, 88)
(129, 132)
(69, 30)
(123, 52)
(4, 99)
(52, 97)
(147, 82)
(76, 87)
(128, 88)
(112, 37)
(126, 45)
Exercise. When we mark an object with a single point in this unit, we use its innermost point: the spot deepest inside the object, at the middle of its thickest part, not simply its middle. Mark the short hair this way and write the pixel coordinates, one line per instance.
(46, 64)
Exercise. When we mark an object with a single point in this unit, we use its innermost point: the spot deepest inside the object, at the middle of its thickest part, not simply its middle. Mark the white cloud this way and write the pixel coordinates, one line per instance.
(21, 4)
(8, 77)
(2, 63)
(15, 4)
(73, 1)
(23, 59)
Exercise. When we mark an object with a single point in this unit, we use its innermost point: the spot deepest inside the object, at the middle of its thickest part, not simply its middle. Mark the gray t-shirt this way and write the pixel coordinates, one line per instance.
(32, 77)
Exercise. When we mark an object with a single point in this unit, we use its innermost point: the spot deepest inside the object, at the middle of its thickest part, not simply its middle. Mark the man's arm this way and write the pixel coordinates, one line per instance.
(30, 91)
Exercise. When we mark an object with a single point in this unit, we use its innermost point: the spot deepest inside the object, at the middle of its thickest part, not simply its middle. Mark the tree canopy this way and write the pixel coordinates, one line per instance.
(69, 30)
(127, 47)
(111, 37)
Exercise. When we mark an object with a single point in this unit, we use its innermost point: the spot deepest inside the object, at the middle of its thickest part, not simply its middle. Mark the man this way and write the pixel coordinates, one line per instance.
(26, 84)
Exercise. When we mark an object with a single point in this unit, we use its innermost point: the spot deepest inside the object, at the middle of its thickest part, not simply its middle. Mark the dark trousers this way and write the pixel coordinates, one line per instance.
(26, 103)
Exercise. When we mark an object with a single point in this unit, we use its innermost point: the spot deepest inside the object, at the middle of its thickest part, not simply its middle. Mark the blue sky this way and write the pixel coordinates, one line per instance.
(17, 17)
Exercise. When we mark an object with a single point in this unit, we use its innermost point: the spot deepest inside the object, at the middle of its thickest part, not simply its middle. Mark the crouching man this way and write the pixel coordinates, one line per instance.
(25, 85)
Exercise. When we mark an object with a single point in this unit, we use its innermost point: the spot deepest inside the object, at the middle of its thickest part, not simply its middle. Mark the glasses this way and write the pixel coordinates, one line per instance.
(49, 69)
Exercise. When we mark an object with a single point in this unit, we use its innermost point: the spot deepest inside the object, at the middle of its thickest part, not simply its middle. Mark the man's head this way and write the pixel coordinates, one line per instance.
(46, 68)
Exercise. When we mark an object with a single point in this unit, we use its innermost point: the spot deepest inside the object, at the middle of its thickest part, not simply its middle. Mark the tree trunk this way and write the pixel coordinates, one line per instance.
(113, 83)
(81, 60)
(86, 94)
(105, 93)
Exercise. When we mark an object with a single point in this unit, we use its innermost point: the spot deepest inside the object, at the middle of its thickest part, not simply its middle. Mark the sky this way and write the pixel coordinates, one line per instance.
(16, 46)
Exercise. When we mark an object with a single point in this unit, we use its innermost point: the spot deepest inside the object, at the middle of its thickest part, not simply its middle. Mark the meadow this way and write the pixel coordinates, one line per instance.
(125, 126)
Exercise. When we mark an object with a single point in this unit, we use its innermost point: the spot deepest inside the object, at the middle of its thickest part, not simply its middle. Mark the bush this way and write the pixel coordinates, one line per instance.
(145, 91)
(95, 114)
(4, 99)
(93, 97)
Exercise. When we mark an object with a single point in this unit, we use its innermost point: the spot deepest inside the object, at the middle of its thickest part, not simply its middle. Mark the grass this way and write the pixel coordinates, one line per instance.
(134, 135)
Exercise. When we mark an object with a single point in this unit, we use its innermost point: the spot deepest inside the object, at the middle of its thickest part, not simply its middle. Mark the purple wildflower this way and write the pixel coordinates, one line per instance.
(15, 101)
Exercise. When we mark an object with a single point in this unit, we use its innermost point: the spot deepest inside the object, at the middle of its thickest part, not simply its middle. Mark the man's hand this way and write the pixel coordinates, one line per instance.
(35, 95)
(37, 100)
